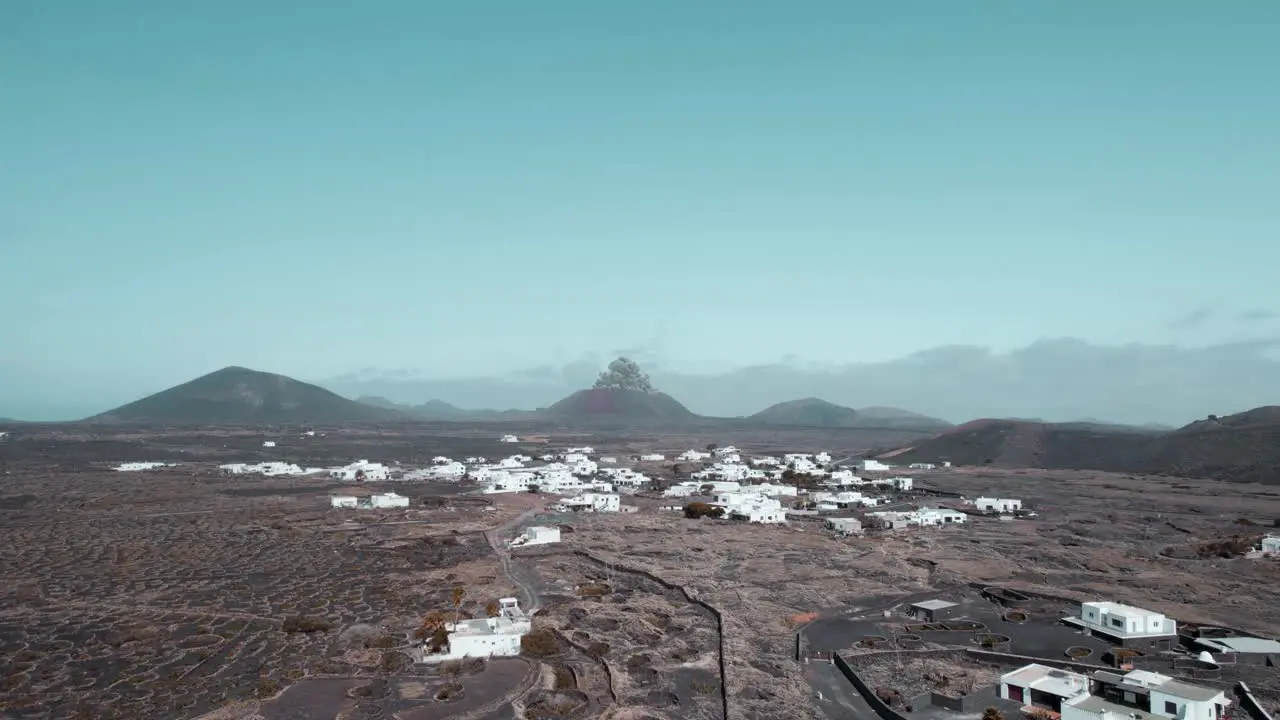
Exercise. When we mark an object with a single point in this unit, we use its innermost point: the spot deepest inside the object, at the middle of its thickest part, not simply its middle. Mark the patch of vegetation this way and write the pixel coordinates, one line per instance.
(594, 590)
(698, 510)
(541, 643)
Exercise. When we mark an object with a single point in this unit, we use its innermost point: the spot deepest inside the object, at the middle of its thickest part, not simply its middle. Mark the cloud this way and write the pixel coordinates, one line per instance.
(1192, 319)
(1258, 315)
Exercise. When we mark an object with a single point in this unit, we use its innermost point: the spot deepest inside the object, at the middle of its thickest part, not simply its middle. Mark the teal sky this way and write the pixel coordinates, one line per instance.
(312, 187)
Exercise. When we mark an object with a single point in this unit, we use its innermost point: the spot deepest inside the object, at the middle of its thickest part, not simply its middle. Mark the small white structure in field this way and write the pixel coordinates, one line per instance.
(1001, 505)
(1037, 683)
(1125, 621)
(652, 457)
(537, 535)
(388, 500)
(693, 456)
(593, 502)
(370, 502)
(139, 466)
(609, 459)
(486, 637)
(268, 443)
(1271, 545)
(870, 465)
(923, 466)
(509, 439)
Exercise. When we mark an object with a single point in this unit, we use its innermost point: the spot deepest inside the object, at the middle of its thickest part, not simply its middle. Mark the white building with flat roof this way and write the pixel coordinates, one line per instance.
(537, 535)
(1125, 621)
(1041, 686)
(1001, 505)
(1271, 545)
(486, 637)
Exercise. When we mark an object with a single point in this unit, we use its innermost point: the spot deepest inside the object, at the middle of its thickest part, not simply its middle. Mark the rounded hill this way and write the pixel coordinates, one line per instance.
(237, 395)
(620, 405)
(808, 412)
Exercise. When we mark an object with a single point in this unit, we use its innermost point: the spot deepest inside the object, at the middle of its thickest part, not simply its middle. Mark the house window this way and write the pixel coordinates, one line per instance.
(1171, 707)
(1117, 622)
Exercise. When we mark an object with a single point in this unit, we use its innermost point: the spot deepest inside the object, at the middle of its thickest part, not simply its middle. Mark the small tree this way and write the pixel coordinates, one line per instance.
(711, 447)
(459, 592)
(492, 609)
(535, 489)
(992, 714)
(624, 374)
(696, 510)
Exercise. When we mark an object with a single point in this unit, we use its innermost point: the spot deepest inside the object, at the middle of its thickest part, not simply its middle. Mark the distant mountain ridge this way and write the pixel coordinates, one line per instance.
(442, 411)
(238, 395)
(1244, 447)
(818, 413)
(616, 404)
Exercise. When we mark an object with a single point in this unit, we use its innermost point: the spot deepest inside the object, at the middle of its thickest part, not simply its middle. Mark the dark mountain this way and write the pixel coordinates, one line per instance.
(619, 405)
(236, 395)
(1238, 448)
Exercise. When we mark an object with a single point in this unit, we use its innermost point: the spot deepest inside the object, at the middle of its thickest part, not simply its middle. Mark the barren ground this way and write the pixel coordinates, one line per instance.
(164, 594)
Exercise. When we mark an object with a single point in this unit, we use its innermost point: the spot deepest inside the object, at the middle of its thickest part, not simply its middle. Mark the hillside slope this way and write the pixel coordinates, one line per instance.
(619, 406)
(808, 412)
(237, 395)
(818, 413)
(1237, 448)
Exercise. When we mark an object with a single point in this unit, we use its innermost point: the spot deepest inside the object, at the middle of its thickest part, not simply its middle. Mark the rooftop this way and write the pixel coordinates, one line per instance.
(1062, 683)
(1115, 608)
(1098, 706)
(1243, 645)
(1187, 691)
(933, 605)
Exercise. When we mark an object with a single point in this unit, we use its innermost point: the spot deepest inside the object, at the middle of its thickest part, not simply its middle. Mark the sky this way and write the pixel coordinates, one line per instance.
(466, 188)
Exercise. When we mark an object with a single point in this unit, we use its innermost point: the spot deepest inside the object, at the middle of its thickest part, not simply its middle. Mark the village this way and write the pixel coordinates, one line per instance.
(669, 576)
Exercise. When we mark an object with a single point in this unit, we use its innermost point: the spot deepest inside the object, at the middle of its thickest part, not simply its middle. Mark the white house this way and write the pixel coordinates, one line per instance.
(923, 466)
(692, 456)
(870, 465)
(1125, 621)
(758, 509)
(449, 470)
(269, 469)
(1152, 694)
(361, 470)
(139, 466)
(899, 483)
(822, 458)
(268, 443)
(486, 637)
(1036, 685)
(766, 461)
(371, 502)
(537, 535)
(509, 439)
(1271, 545)
(939, 516)
(1001, 505)
(388, 500)
(652, 457)
(593, 502)
(609, 459)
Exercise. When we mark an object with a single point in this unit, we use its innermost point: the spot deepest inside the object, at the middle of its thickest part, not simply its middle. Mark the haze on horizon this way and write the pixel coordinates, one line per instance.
(504, 188)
